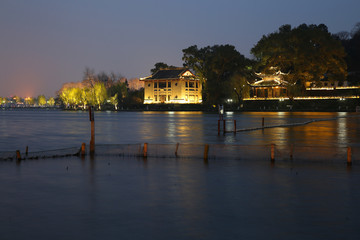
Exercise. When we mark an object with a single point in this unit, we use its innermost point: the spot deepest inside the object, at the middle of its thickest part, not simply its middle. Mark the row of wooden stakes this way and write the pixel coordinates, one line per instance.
(206, 152)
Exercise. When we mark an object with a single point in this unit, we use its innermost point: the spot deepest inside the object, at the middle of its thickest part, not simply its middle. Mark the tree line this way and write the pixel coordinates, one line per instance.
(100, 90)
(306, 53)
(15, 101)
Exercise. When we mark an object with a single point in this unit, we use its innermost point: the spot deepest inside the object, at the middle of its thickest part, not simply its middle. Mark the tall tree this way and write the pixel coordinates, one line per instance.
(89, 78)
(306, 53)
(100, 93)
(351, 43)
(120, 90)
(216, 66)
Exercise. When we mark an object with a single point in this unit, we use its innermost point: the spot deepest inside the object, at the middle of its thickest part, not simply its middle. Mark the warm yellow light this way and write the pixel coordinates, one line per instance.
(303, 98)
(333, 88)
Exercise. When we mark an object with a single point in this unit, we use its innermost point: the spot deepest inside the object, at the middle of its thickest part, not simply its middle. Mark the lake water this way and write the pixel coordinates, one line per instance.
(112, 197)
(44, 130)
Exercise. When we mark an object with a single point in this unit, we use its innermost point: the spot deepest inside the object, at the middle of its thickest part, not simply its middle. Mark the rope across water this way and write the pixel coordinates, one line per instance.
(290, 124)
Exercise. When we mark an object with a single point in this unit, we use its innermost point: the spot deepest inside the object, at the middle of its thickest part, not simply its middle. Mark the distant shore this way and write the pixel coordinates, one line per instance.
(318, 105)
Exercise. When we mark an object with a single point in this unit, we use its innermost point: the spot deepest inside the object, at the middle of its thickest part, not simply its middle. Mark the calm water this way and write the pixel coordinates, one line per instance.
(44, 130)
(133, 198)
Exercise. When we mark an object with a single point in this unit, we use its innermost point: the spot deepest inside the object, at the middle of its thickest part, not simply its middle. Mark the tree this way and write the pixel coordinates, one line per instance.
(240, 86)
(51, 101)
(64, 95)
(41, 100)
(216, 66)
(29, 101)
(89, 78)
(100, 93)
(161, 65)
(308, 53)
(94, 90)
(114, 101)
(3, 100)
(351, 43)
(120, 89)
(17, 99)
(135, 97)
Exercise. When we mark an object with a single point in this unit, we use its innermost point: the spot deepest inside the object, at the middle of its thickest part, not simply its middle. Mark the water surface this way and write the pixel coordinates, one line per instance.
(122, 198)
(43, 130)
(114, 197)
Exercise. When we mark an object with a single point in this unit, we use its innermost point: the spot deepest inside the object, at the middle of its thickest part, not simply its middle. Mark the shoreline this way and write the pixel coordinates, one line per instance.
(319, 105)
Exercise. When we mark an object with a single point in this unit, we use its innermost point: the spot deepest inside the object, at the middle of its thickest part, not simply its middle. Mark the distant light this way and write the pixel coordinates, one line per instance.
(302, 98)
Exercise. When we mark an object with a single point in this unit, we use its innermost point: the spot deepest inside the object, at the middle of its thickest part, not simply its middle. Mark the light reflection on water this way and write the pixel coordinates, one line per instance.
(133, 198)
(44, 130)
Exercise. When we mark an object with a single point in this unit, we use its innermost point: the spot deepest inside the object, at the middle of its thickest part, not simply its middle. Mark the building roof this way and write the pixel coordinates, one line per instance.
(269, 83)
(166, 74)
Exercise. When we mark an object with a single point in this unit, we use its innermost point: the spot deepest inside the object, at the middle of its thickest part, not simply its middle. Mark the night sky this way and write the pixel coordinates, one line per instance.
(45, 43)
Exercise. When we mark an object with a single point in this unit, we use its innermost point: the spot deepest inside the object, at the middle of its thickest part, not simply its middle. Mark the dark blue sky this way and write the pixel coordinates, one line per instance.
(45, 43)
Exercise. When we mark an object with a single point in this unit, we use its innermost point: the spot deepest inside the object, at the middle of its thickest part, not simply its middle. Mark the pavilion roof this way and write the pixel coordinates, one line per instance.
(269, 83)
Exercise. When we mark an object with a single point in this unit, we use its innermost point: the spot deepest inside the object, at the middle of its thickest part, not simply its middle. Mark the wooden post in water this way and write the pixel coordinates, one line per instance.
(349, 162)
(219, 127)
(272, 152)
(83, 147)
(92, 120)
(176, 150)
(263, 123)
(18, 155)
(26, 151)
(224, 121)
(145, 150)
(235, 126)
(206, 152)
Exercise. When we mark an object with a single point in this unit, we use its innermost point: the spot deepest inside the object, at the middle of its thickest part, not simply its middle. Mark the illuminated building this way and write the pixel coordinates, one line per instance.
(178, 85)
(270, 86)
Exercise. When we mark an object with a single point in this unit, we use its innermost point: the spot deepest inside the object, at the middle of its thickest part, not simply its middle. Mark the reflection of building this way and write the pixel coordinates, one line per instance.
(178, 85)
(270, 86)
